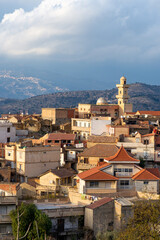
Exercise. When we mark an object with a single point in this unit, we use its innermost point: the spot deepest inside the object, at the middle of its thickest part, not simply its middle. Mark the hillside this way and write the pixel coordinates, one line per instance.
(143, 97)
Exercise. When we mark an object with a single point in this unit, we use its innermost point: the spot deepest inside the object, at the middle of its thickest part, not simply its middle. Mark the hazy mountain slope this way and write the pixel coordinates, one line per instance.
(143, 97)
(16, 85)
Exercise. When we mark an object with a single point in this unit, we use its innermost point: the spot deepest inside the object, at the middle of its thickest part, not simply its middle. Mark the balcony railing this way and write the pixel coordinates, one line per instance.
(5, 219)
(85, 166)
(8, 200)
(124, 174)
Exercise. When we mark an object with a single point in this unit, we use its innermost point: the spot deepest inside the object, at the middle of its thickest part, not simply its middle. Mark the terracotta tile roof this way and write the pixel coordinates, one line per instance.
(122, 156)
(148, 135)
(154, 113)
(154, 171)
(130, 113)
(63, 172)
(100, 150)
(101, 176)
(61, 136)
(102, 139)
(144, 174)
(96, 174)
(99, 203)
(9, 187)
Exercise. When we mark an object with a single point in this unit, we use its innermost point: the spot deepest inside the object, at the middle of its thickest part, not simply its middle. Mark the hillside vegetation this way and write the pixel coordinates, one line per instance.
(143, 97)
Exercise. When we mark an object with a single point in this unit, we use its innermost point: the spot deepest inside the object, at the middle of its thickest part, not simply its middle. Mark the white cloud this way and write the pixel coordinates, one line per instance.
(84, 29)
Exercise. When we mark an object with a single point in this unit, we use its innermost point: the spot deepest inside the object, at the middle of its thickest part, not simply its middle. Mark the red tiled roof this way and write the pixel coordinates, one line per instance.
(102, 139)
(100, 176)
(61, 136)
(154, 171)
(130, 113)
(122, 156)
(155, 113)
(145, 175)
(96, 174)
(99, 203)
(149, 134)
(99, 150)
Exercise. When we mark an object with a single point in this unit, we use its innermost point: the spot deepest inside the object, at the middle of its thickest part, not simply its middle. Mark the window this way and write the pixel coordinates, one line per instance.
(8, 139)
(124, 182)
(85, 160)
(20, 166)
(146, 142)
(137, 140)
(49, 141)
(94, 184)
(101, 160)
(158, 154)
(8, 130)
(56, 141)
(110, 224)
(9, 153)
(145, 182)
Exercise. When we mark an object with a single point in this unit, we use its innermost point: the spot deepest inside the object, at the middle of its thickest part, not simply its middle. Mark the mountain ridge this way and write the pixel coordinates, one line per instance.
(143, 97)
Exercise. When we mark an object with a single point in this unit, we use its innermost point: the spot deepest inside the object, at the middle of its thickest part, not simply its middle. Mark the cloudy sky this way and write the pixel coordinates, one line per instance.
(82, 44)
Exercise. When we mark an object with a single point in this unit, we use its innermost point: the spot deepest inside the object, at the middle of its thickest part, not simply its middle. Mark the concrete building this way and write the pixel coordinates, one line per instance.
(7, 132)
(60, 139)
(31, 161)
(99, 216)
(8, 202)
(145, 146)
(98, 125)
(81, 127)
(120, 173)
(95, 155)
(67, 219)
(58, 115)
(106, 140)
(101, 108)
(108, 214)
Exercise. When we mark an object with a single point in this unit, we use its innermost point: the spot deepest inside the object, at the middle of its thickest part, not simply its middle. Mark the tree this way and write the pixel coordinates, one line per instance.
(106, 236)
(30, 223)
(144, 224)
(142, 162)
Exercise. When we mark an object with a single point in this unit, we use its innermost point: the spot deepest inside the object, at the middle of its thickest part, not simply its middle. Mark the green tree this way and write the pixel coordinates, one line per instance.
(106, 236)
(29, 223)
(145, 223)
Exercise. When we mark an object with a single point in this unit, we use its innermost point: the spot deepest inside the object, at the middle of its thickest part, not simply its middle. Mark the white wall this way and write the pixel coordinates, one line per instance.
(98, 126)
(151, 187)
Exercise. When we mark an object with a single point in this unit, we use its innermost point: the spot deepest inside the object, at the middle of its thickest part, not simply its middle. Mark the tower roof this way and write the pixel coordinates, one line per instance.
(122, 156)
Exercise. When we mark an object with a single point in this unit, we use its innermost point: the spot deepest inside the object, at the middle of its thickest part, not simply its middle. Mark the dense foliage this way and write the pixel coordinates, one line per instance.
(30, 223)
(145, 224)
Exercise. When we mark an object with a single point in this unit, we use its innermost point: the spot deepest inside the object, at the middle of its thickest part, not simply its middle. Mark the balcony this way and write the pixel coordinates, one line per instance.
(85, 166)
(5, 218)
(124, 174)
(8, 200)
